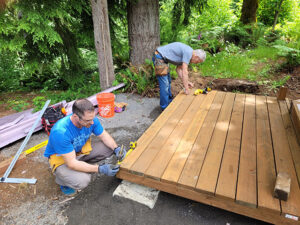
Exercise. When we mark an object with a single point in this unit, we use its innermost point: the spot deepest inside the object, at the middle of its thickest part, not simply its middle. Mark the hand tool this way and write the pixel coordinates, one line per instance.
(132, 145)
(201, 91)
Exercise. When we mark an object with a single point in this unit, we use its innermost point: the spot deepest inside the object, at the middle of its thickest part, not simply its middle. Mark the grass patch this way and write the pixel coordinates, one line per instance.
(254, 64)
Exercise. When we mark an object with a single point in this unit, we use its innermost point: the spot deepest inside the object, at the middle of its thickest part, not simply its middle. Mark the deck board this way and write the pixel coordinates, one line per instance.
(283, 157)
(221, 149)
(209, 174)
(226, 186)
(246, 187)
(176, 164)
(192, 168)
(266, 172)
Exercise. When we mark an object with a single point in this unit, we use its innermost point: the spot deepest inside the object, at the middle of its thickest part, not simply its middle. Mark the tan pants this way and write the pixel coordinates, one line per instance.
(76, 179)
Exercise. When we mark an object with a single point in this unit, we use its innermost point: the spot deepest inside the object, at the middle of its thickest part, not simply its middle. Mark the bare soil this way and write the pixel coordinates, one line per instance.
(293, 83)
(15, 194)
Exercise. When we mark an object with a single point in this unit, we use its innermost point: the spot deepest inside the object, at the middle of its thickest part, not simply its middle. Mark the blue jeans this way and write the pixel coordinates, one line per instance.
(165, 90)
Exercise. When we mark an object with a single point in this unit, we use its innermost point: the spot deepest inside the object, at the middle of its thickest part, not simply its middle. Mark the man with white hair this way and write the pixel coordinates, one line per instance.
(178, 54)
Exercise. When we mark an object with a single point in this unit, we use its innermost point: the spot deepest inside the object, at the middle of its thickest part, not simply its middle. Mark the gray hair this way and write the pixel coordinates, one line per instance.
(200, 53)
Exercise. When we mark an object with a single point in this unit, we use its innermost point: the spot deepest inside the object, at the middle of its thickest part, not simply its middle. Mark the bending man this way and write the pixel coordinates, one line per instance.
(71, 152)
(180, 55)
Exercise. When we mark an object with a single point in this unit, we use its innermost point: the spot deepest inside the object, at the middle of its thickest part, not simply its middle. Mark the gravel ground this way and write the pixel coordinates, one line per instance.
(95, 204)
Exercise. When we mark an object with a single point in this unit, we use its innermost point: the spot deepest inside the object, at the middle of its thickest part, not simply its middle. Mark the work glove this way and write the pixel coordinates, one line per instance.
(109, 169)
(120, 155)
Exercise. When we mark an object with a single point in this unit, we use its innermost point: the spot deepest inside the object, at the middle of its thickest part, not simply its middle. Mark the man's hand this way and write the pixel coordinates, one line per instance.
(120, 155)
(109, 169)
(190, 84)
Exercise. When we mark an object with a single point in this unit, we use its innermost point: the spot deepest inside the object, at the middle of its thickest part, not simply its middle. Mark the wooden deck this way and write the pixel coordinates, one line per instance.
(222, 149)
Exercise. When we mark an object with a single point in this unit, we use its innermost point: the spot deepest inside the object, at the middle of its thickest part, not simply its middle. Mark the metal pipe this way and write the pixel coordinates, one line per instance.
(7, 172)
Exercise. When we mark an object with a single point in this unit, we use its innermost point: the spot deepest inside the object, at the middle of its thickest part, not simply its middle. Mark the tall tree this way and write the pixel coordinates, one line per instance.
(102, 42)
(249, 9)
(143, 29)
(277, 14)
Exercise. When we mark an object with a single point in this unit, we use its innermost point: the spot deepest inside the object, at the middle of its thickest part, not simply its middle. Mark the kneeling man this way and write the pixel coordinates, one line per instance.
(71, 153)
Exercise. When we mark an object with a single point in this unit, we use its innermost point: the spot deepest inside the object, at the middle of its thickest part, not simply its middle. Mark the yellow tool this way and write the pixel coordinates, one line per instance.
(30, 150)
(201, 91)
(132, 145)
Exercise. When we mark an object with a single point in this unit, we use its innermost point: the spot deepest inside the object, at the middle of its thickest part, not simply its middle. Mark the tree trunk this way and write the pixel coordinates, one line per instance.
(143, 29)
(277, 14)
(249, 9)
(102, 43)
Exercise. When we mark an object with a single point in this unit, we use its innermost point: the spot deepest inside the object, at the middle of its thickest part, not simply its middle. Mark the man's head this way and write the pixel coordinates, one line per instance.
(83, 112)
(198, 56)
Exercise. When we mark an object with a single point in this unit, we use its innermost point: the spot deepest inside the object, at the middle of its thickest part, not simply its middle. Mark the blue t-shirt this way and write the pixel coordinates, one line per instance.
(176, 53)
(66, 137)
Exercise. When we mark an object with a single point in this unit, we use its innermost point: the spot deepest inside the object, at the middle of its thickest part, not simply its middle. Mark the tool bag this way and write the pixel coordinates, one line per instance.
(51, 116)
(161, 67)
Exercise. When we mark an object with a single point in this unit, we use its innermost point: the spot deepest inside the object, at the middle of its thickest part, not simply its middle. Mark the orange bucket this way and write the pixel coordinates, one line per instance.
(106, 102)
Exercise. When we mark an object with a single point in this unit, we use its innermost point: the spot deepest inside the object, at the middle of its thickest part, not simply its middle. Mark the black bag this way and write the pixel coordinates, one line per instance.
(51, 115)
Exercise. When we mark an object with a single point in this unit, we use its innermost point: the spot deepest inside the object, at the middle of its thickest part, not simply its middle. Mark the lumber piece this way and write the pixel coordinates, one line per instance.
(161, 137)
(266, 172)
(292, 137)
(176, 164)
(260, 214)
(160, 162)
(282, 93)
(283, 157)
(210, 170)
(282, 186)
(151, 132)
(295, 115)
(193, 165)
(226, 186)
(246, 187)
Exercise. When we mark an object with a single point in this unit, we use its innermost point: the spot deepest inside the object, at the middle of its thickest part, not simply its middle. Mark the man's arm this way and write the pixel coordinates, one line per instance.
(108, 140)
(182, 72)
(74, 164)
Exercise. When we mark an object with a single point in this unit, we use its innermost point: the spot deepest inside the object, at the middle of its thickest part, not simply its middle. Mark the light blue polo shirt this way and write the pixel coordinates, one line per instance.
(176, 53)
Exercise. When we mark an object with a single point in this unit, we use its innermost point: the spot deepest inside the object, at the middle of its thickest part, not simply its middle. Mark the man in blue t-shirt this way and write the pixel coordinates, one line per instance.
(180, 55)
(71, 152)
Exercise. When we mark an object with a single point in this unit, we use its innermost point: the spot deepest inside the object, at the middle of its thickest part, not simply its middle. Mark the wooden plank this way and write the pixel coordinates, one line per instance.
(266, 172)
(151, 132)
(177, 162)
(211, 166)
(208, 199)
(295, 115)
(160, 162)
(282, 93)
(292, 138)
(246, 186)
(161, 138)
(283, 157)
(192, 168)
(226, 186)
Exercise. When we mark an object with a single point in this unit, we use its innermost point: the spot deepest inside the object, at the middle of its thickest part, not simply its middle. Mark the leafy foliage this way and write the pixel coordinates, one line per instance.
(42, 31)
(141, 79)
(267, 8)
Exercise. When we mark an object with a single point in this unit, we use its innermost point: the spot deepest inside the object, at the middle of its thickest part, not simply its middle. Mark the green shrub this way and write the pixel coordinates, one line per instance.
(137, 79)
(291, 54)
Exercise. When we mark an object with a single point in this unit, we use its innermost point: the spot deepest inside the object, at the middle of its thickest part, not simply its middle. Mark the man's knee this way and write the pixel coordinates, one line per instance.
(81, 181)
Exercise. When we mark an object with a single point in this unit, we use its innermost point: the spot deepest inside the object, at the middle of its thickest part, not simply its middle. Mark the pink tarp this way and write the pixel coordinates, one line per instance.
(16, 126)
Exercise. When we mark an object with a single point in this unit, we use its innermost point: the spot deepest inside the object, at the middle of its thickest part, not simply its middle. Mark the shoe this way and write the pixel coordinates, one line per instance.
(67, 190)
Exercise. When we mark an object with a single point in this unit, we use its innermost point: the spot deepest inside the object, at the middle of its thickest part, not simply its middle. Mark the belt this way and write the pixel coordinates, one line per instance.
(158, 55)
